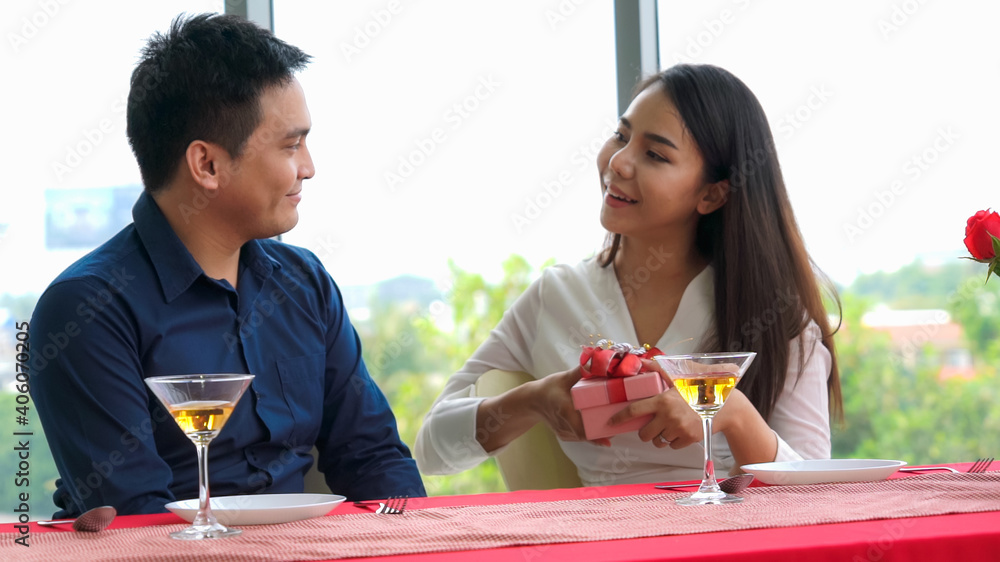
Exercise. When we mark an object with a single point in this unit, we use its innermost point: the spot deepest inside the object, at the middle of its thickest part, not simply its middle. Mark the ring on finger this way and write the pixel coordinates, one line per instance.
(663, 439)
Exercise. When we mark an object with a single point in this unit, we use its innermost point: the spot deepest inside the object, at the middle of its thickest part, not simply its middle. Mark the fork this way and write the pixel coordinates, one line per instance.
(926, 468)
(394, 505)
(981, 465)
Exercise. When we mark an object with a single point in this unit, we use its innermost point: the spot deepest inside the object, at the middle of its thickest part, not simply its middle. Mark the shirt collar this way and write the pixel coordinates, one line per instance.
(175, 267)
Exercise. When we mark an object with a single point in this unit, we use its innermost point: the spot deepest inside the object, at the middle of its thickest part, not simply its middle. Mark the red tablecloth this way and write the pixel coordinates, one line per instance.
(947, 537)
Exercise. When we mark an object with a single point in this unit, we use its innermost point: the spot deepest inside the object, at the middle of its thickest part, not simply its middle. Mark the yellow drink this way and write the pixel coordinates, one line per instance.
(202, 417)
(706, 392)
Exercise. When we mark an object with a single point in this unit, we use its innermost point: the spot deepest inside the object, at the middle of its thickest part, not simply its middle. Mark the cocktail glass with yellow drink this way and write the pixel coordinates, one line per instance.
(201, 404)
(705, 381)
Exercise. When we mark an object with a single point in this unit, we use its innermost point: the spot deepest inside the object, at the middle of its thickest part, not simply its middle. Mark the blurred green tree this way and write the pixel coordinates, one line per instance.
(900, 411)
(976, 306)
(35, 475)
(438, 345)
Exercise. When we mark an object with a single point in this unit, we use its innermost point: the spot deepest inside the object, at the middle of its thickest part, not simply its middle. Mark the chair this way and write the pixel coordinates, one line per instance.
(315, 482)
(533, 461)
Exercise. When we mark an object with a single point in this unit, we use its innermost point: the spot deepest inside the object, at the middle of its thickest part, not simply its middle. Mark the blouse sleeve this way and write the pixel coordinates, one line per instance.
(801, 416)
(446, 442)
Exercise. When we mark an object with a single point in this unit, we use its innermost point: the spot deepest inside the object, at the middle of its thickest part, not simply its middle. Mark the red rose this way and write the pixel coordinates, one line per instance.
(977, 234)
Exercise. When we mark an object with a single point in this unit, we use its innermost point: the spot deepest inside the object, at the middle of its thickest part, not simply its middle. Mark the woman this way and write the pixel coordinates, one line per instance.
(703, 254)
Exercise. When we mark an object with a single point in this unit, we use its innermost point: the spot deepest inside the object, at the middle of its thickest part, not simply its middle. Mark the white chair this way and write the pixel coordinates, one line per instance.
(315, 483)
(533, 461)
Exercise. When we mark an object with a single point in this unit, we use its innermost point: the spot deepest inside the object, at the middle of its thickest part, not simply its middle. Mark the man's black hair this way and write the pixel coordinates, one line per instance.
(202, 80)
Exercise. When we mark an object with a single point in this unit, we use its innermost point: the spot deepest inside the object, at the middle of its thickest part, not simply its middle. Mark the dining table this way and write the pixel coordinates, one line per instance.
(929, 515)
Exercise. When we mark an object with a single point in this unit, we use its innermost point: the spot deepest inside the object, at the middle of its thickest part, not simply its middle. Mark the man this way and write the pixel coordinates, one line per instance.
(218, 125)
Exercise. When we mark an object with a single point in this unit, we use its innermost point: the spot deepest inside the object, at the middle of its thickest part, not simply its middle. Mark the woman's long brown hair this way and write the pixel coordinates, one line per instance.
(767, 289)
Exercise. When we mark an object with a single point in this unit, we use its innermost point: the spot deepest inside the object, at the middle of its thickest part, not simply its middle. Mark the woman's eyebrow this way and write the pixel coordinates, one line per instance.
(662, 140)
(651, 136)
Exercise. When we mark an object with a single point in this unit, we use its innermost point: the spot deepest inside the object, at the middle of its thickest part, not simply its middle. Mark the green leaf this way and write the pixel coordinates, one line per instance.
(996, 245)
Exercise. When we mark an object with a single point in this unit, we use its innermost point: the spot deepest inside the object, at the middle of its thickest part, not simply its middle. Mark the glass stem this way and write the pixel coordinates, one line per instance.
(708, 479)
(204, 516)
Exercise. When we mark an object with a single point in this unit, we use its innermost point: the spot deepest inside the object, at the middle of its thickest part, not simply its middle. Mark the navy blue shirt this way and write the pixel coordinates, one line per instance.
(140, 306)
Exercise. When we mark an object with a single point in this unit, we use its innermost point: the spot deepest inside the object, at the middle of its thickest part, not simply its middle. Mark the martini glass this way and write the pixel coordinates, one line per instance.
(705, 381)
(201, 404)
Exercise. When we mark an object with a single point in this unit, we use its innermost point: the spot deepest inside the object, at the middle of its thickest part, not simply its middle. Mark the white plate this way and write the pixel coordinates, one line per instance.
(261, 509)
(817, 471)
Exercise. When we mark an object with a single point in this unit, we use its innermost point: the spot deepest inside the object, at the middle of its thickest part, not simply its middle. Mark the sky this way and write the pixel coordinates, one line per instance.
(467, 131)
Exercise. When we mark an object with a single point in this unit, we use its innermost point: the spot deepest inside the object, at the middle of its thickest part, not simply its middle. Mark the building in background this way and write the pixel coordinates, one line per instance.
(911, 332)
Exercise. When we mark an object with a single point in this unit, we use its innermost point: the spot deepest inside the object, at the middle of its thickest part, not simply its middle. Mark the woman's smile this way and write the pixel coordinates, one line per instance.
(615, 198)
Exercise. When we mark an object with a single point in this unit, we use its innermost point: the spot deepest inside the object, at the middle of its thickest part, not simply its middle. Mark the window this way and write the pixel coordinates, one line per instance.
(451, 130)
(882, 113)
(70, 177)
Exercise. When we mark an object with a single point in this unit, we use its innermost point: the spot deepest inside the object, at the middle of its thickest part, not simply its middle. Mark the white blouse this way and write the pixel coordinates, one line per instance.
(571, 306)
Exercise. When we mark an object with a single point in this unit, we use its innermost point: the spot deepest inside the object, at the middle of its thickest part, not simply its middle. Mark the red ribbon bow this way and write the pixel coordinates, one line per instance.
(614, 360)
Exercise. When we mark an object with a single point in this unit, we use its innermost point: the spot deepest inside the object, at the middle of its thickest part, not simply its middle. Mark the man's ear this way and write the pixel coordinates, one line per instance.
(715, 195)
(206, 162)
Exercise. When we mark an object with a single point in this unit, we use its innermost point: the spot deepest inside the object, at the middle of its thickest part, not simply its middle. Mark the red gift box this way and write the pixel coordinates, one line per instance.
(598, 397)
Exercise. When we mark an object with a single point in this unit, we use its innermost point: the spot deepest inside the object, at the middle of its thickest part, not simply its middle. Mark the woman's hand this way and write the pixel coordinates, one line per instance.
(674, 423)
(554, 405)
(749, 437)
(501, 419)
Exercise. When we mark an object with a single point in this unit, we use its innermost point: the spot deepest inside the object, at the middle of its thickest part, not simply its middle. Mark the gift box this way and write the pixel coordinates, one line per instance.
(599, 398)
